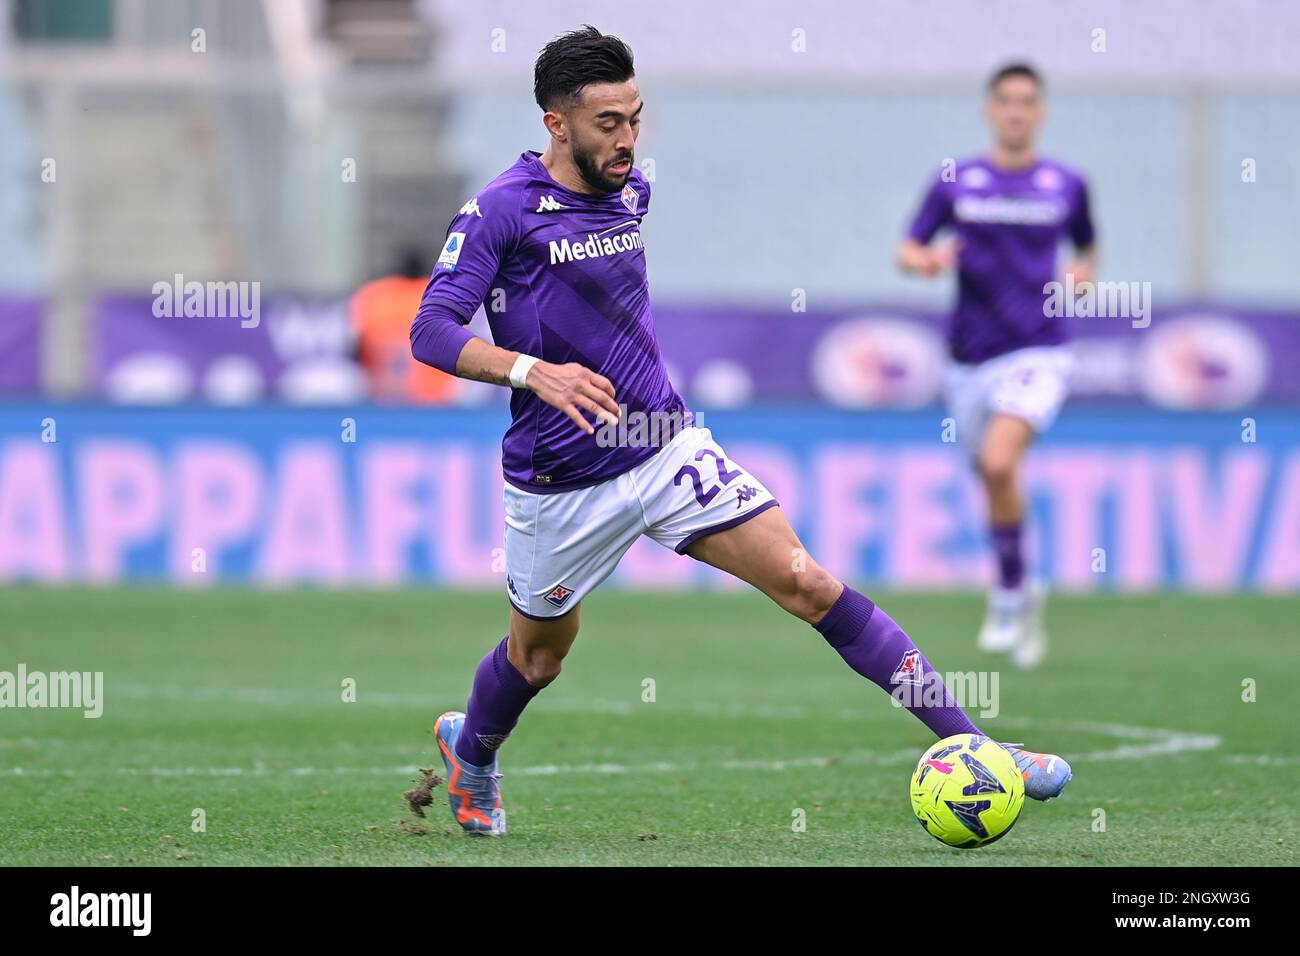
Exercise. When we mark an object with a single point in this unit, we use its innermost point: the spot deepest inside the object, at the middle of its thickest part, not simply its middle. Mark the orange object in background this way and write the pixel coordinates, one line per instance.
(382, 311)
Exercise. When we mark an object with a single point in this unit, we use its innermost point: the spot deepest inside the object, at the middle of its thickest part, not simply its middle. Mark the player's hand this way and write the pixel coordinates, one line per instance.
(574, 389)
(929, 260)
(944, 258)
(1081, 270)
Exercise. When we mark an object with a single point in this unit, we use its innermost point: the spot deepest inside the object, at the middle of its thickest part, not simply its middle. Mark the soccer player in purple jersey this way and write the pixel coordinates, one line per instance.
(554, 246)
(1008, 212)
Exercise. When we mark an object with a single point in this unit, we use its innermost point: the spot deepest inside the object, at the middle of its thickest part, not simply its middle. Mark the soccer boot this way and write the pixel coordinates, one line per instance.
(1045, 775)
(474, 792)
(1031, 647)
(1004, 620)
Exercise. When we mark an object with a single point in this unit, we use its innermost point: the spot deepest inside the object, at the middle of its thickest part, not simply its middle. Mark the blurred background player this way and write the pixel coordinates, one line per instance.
(1011, 359)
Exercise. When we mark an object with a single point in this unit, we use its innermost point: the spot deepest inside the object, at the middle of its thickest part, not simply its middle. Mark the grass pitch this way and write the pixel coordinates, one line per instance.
(231, 702)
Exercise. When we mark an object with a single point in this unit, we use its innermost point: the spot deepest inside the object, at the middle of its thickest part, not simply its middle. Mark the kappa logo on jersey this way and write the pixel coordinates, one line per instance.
(548, 204)
(630, 198)
(450, 254)
(559, 595)
(909, 669)
(471, 207)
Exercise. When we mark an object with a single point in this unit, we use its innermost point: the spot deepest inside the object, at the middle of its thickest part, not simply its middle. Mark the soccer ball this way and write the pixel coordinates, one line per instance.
(966, 791)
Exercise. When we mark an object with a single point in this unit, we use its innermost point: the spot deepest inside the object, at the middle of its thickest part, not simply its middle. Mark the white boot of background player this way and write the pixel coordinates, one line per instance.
(1014, 623)
(1003, 620)
(1031, 646)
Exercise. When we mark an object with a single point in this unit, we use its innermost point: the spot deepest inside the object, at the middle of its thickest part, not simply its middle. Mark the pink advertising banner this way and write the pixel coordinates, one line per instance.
(196, 497)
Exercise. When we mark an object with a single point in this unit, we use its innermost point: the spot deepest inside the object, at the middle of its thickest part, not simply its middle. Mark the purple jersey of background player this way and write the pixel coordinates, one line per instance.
(564, 278)
(1010, 223)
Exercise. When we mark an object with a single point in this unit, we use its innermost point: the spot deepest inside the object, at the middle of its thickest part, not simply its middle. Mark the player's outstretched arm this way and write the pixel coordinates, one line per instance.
(570, 387)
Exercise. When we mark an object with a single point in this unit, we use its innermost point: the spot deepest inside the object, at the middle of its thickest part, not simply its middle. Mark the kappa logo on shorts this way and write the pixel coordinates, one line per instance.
(559, 595)
(909, 669)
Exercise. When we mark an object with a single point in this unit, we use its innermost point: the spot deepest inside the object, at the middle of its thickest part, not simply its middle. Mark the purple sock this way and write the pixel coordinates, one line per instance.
(874, 646)
(499, 696)
(1011, 564)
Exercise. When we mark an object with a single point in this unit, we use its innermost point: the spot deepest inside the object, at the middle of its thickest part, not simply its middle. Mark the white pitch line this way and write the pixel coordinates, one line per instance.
(1262, 760)
(1145, 741)
(1158, 743)
(541, 770)
(862, 758)
(1148, 741)
(557, 704)
(1137, 743)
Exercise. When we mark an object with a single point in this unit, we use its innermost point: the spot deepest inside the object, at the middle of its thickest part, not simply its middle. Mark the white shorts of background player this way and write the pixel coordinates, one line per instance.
(1030, 384)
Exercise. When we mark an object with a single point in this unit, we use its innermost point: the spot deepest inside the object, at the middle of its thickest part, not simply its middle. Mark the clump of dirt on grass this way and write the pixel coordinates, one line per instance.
(406, 826)
(421, 796)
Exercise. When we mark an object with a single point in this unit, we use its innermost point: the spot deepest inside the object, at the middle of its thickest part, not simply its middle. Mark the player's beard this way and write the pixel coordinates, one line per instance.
(594, 175)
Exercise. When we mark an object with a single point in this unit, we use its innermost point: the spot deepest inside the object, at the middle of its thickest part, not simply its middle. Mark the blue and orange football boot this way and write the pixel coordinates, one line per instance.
(1045, 775)
(474, 792)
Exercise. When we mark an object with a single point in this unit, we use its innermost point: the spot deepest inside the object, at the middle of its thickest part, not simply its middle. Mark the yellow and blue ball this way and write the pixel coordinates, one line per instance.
(966, 791)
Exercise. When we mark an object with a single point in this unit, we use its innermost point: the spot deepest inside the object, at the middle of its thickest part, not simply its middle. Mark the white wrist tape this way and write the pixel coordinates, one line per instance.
(519, 371)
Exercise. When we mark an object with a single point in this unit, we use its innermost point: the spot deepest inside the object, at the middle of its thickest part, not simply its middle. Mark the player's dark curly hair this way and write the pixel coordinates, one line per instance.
(1015, 69)
(574, 61)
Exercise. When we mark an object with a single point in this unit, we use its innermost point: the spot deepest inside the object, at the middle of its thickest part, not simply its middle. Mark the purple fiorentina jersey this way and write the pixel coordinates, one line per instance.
(1010, 223)
(562, 276)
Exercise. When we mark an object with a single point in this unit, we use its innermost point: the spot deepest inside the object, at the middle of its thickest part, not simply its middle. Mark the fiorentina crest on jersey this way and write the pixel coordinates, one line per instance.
(909, 669)
(559, 595)
(630, 198)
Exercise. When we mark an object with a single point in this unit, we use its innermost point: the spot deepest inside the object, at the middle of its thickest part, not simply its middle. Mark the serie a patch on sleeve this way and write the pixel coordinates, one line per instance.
(450, 254)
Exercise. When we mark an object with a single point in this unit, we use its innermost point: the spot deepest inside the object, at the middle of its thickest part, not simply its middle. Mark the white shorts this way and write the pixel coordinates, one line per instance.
(560, 546)
(1029, 384)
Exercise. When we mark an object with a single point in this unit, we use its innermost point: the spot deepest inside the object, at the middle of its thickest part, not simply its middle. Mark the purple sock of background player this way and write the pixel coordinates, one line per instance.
(1011, 564)
(499, 696)
(878, 649)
